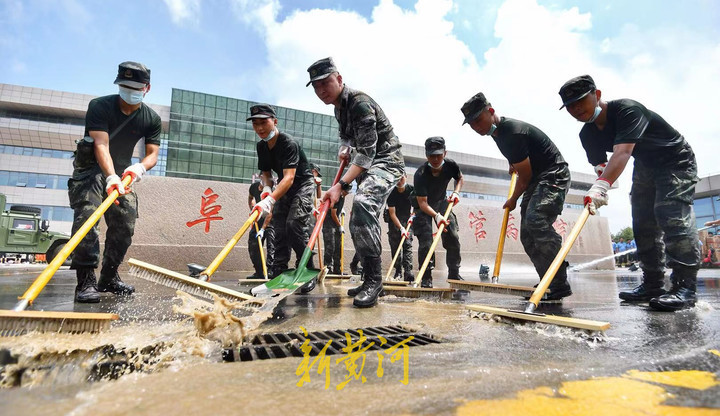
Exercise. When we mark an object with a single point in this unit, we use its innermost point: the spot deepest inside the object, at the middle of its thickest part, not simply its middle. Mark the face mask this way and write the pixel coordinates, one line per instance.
(595, 115)
(492, 130)
(131, 96)
(438, 167)
(269, 136)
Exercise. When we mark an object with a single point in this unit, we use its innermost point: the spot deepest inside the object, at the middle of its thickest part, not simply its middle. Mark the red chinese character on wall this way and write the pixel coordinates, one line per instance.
(511, 230)
(208, 211)
(560, 227)
(476, 223)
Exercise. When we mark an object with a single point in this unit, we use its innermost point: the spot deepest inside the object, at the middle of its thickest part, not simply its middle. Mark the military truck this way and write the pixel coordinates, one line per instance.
(24, 234)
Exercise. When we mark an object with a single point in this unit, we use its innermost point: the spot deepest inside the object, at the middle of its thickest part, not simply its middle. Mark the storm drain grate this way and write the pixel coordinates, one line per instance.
(282, 345)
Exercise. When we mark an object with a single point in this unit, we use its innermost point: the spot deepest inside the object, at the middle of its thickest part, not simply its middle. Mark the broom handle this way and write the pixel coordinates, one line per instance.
(342, 243)
(42, 280)
(503, 231)
(320, 250)
(555, 265)
(205, 274)
(399, 249)
(441, 228)
(324, 208)
(262, 252)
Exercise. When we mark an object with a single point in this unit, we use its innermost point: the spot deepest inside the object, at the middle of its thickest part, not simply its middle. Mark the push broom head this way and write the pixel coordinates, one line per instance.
(491, 287)
(177, 281)
(419, 292)
(15, 323)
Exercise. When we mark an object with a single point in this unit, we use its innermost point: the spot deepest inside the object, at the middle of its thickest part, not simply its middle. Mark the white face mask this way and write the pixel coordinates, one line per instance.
(131, 96)
(437, 167)
(492, 129)
(595, 115)
(269, 136)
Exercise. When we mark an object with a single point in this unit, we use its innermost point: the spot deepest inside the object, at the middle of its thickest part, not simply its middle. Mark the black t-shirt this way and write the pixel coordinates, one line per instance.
(286, 154)
(256, 192)
(518, 141)
(657, 143)
(434, 187)
(104, 114)
(402, 202)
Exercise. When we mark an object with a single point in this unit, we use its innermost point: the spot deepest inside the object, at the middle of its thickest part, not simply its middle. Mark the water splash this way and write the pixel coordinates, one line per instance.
(594, 262)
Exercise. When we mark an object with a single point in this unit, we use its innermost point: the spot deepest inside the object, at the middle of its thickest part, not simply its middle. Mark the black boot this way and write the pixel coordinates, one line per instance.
(427, 279)
(398, 274)
(354, 291)
(681, 296)
(256, 275)
(652, 286)
(373, 283)
(454, 274)
(409, 276)
(110, 282)
(559, 288)
(86, 290)
(309, 286)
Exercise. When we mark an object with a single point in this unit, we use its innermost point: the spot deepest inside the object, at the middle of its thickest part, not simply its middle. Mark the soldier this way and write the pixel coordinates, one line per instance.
(265, 232)
(332, 229)
(376, 166)
(399, 207)
(543, 179)
(98, 161)
(431, 181)
(294, 193)
(662, 191)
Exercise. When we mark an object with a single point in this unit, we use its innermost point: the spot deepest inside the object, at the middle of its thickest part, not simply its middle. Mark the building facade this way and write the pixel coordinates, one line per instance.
(707, 200)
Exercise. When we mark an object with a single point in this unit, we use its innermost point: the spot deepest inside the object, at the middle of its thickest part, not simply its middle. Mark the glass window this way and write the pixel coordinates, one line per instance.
(716, 204)
(4, 176)
(18, 151)
(232, 104)
(22, 224)
(703, 207)
(221, 102)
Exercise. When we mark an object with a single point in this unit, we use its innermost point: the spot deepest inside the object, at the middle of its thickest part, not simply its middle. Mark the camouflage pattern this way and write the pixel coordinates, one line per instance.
(663, 216)
(331, 245)
(86, 195)
(423, 229)
(541, 204)
(254, 248)
(404, 261)
(291, 224)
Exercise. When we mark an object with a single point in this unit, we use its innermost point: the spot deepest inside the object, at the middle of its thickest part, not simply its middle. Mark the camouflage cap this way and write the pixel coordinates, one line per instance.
(261, 111)
(474, 106)
(321, 69)
(133, 74)
(576, 89)
(434, 146)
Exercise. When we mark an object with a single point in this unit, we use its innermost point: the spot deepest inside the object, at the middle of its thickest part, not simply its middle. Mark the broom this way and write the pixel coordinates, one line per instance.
(495, 286)
(19, 321)
(529, 312)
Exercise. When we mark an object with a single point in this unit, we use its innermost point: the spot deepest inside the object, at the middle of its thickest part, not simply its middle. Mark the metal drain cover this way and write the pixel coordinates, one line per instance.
(282, 345)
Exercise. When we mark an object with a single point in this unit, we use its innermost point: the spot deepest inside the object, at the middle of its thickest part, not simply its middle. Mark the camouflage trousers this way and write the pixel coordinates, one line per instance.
(331, 240)
(423, 229)
(374, 187)
(663, 217)
(254, 247)
(291, 224)
(404, 260)
(85, 196)
(541, 204)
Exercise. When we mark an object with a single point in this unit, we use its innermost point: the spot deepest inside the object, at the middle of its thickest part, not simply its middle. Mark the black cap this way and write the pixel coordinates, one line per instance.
(313, 167)
(576, 89)
(261, 111)
(133, 74)
(434, 146)
(474, 106)
(321, 69)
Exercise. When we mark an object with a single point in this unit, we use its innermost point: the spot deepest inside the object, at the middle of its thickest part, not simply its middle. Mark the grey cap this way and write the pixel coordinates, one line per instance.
(474, 106)
(576, 89)
(321, 69)
(133, 74)
(434, 146)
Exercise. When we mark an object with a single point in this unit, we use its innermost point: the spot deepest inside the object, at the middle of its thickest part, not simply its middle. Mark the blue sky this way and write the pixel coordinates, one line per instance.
(420, 59)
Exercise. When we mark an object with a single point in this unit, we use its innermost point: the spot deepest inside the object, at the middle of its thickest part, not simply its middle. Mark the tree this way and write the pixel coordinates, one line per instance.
(626, 233)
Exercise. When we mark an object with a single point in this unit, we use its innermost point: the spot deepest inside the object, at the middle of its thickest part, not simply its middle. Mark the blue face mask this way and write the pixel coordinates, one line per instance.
(269, 136)
(492, 129)
(595, 115)
(131, 96)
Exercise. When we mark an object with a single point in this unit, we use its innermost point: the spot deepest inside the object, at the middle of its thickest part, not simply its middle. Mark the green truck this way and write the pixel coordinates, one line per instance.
(24, 234)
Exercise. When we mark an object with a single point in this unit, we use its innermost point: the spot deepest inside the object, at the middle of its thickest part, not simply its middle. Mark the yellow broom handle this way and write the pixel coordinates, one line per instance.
(342, 243)
(228, 247)
(399, 249)
(440, 230)
(40, 282)
(503, 230)
(559, 258)
(262, 252)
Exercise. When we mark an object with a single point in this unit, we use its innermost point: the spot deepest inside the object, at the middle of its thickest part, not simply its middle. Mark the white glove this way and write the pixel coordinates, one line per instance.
(439, 219)
(342, 230)
(599, 169)
(266, 191)
(113, 182)
(135, 171)
(597, 195)
(266, 205)
(261, 233)
(344, 152)
(405, 233)
(318, 180)
(454, 198)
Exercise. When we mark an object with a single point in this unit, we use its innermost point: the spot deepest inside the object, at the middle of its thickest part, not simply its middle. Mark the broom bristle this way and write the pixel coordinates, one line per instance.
(16, 323)
(491, 287)
(419, 292)
(174, 280)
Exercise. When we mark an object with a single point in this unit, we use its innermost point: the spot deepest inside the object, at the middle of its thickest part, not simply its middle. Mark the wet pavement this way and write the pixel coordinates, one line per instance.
(647, 363)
